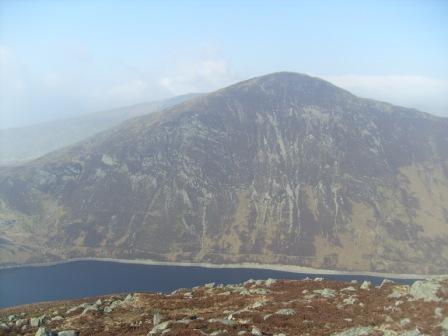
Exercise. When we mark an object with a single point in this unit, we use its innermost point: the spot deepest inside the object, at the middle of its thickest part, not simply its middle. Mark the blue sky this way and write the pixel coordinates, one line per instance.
(62, 58)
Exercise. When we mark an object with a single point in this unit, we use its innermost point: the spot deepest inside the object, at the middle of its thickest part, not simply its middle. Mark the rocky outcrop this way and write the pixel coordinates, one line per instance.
(281, 307)
(280, 169)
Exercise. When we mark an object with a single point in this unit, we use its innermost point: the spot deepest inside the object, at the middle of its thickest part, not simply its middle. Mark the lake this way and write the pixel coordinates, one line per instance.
(78, 279)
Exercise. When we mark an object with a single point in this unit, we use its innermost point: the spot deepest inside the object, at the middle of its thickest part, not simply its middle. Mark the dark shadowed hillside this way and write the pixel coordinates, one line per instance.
(283, 168)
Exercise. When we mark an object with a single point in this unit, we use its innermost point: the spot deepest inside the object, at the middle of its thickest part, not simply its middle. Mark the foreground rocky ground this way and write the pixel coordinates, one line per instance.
(262, 307)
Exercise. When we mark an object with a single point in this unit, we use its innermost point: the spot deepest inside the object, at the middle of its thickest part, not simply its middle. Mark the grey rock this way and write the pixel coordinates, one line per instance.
(349, 289)
(356, 331)
(326, 292)
(11, 317)
(258, 304)
(444, 324)
(222, 321)
(425, 290)
(266, 316)
(37, 321)
(350, 300)
(157, 318)
(366, 285)
(285, 311)
(91, 308)
(21, 322)
(256, 332)
(68, 333)
(259, 291)
(218, 332)
(405, 321)
(399, 291)
(224, 293)
(42, 331)
(385, 282)
(414, 332)
(129, 298)
(269, 282)
(438, 312)
(160, 327)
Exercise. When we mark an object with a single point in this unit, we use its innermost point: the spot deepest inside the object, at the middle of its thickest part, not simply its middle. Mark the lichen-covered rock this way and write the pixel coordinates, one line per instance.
(326, 292)
(160, 327)
(357, 331)
(37, 321)
(285, 311)
(256, 332)
(68, 333)
(366, 285)
(425, 290)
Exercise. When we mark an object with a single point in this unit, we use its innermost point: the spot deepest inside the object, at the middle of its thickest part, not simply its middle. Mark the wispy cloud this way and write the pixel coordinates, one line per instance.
(206, 72)
(424, 93)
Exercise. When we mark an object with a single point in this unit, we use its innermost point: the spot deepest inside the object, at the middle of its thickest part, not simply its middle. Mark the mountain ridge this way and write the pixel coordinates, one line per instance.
(281, 169)
(22, 144)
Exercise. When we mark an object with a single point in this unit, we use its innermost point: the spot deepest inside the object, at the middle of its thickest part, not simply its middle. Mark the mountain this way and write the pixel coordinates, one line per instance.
(279, 169)
(26, 143)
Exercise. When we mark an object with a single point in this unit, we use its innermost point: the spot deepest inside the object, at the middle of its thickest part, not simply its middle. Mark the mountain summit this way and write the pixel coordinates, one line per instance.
(279, 169)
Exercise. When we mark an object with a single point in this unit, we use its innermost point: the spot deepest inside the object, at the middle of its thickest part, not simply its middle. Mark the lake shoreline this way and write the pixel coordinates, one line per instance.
(273, 267)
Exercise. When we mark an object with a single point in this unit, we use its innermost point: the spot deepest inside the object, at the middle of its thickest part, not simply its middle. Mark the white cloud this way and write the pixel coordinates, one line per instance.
(424, 93)
(209, 73)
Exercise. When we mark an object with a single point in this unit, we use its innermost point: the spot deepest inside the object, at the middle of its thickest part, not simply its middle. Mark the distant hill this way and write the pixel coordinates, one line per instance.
(279, 169)
(25, 143)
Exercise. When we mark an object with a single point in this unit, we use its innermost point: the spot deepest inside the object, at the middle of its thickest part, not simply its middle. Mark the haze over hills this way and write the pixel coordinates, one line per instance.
(26, 143)
(280, 169)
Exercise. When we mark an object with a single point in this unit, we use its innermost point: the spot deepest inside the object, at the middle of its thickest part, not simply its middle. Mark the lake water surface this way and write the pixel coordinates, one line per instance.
(78, 279)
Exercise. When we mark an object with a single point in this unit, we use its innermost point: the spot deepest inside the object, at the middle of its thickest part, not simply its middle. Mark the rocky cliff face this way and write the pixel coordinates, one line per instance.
(283, 168)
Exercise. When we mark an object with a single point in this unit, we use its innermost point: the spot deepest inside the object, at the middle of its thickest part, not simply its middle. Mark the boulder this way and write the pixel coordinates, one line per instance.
(399, 291)
(366, 285)
(326, 292)
(68, 333)
(414, 332)
(91, 308)
(256, 332)
(357, 331)
(444, 325)
(42, 331)
(385, 282)
(285, 311)
(425, 290)
(269, 282)
(21, 322)
(157, 318)
(37, 321)
(226, 322)
(160, 327)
